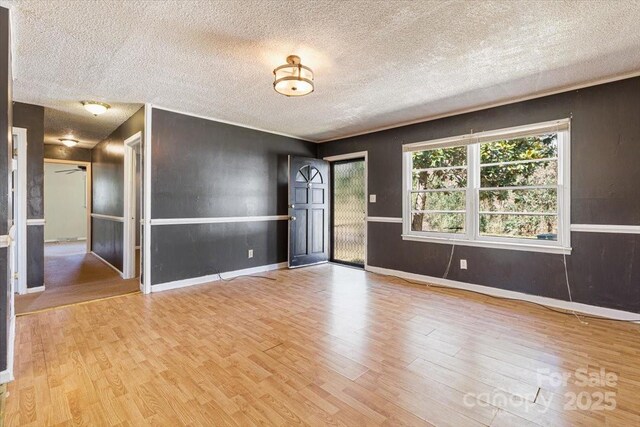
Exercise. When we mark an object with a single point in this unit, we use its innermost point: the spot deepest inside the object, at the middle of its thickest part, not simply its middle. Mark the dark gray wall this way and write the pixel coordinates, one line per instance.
(5, 149)
(108, 240)
(203, 168)
(4, 300)
(62, 152)
(184, 251)
(31, 117)
(35, 256)
(108, 189)
(605, 144)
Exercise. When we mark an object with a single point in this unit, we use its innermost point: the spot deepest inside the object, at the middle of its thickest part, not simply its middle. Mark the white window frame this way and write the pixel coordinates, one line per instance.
(471, 236)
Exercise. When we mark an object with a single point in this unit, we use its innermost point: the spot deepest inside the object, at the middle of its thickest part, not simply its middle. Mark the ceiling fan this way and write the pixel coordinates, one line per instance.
(76, 169)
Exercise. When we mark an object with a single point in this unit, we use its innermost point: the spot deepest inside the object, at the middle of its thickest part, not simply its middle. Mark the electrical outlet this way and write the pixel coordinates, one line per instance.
(463, 264)
(372, 198)
(250, 253)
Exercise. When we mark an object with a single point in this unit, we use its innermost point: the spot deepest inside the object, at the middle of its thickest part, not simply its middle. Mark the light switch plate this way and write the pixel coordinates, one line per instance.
(372, 198)
(463, 264)
(250, 254)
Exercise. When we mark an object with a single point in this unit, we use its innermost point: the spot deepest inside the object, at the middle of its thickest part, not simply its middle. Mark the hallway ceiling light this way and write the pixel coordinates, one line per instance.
(293, 78)
(95, 108)
(69, 142)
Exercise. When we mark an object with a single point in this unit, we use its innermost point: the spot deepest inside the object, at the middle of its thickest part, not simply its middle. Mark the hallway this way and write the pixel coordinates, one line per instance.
(71, 276)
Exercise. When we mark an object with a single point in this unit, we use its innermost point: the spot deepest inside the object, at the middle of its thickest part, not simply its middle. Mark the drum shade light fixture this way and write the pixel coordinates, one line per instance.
(69, 142)
(293, 78)
(95, 108)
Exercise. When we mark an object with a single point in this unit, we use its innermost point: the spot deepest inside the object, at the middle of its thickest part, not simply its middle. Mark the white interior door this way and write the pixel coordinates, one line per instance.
(17, 203)
(18, 247)
(131, 145)
(7, 376)
(13, 232)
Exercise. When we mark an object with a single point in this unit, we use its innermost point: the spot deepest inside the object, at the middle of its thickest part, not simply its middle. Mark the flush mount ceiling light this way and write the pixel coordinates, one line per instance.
(69, 142)
(293, 78)
(95, 108)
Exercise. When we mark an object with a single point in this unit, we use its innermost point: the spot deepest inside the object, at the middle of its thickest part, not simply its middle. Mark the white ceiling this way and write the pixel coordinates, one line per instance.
(69, 119)
(377, 63)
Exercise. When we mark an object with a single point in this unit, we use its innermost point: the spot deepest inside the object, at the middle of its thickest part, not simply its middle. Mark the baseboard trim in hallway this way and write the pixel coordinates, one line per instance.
(183, 283)
(106, 262)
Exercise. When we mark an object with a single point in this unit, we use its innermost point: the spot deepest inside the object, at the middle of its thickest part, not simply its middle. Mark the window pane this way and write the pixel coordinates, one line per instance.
(315, 175)
(438, 222)
(303, 174)
(540, 200)
(441, 178)
(439, 201)
(521, 174)
(520, 226)
(440, 157)
(528, 148)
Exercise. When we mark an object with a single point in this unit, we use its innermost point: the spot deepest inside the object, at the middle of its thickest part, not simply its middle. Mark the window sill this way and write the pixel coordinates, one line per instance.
(548, 249)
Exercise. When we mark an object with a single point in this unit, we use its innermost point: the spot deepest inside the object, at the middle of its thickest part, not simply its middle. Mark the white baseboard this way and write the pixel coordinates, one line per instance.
(107, 262)
(487, 290)
(72, 240)
(6, 376)
(215, 277)
(35, 289)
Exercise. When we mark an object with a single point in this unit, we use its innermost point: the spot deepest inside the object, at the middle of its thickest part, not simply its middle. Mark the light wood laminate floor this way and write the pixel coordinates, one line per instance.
(72, 275)
(324, 345)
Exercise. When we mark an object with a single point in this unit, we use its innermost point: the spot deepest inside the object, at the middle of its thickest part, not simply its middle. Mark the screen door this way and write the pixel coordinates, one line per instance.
(349, 210)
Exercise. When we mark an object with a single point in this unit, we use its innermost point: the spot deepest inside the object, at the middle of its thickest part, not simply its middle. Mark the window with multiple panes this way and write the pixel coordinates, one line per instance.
(506, 188)
(439, 187)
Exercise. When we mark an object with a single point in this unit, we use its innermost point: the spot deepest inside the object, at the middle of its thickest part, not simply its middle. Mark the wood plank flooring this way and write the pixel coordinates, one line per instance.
(324, 345)
(68, 264)
(71, 276)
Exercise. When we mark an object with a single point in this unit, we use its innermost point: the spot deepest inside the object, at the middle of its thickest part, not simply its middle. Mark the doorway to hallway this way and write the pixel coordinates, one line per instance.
(67, 204)
(72, 272)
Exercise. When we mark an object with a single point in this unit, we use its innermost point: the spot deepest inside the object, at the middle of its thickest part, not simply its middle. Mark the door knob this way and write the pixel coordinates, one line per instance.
(292, 206)
(292, 218)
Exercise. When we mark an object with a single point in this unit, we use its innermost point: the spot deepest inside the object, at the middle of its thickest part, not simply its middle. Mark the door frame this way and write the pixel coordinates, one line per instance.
(351, 156)
(129, 238)
(20, 220)
(17, 248)
(88, 190)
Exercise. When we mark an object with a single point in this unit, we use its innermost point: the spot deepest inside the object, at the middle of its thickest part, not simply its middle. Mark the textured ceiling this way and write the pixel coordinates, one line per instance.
(377, 63)
(70, 119)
